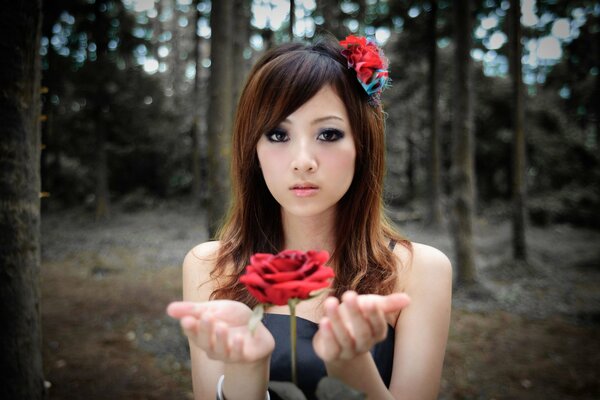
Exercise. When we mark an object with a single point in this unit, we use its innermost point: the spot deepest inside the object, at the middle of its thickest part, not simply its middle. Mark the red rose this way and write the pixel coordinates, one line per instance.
(290, 274)
(363, 56)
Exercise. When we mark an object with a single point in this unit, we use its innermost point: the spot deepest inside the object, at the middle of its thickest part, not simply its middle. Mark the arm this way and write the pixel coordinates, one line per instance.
(347, 333)
(349, 330)
(219, 340)
(422, 329)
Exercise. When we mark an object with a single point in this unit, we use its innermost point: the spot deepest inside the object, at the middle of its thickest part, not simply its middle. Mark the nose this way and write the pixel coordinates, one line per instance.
(304, 159)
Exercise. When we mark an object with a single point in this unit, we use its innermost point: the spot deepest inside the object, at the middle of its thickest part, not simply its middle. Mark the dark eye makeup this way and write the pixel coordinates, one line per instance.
(279, 135)
(330, 135)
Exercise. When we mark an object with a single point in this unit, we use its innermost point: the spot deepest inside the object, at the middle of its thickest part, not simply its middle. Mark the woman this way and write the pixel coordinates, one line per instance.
(307, 174)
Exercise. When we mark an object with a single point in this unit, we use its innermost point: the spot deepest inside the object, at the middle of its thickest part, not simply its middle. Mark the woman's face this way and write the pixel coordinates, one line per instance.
(308, 160)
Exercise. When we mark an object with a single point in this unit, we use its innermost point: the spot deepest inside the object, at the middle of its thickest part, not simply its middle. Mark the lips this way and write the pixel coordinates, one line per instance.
(302, 186)
(305, 189)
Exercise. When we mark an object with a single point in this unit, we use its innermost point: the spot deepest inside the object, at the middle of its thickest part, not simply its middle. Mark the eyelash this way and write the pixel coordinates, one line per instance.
(334, 135)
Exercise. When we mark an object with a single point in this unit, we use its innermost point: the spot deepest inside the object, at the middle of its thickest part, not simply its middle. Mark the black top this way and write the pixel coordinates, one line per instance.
(309, 366)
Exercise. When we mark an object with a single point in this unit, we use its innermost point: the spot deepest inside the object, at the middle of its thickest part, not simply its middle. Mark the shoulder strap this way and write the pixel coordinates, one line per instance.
(392, 244)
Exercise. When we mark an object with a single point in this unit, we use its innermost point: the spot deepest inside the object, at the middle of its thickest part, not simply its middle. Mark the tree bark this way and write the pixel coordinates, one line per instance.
(518, 171)
(195, 128)
(292, 19)
(240, 42)
(220, 113)
(102, 189)
(21, 374)
(410, 160)
(462, 170)
(435, 215)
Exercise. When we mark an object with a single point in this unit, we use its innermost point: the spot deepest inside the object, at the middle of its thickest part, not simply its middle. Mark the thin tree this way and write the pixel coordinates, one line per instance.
(332, 17)
(518, 169)
(20, 77)
(196, 161)
(242, 10)
(292, 19)
(219, 112)
(462, 170)
(435, 215)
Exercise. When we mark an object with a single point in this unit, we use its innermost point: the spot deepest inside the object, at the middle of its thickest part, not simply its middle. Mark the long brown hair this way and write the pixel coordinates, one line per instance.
(280, 82)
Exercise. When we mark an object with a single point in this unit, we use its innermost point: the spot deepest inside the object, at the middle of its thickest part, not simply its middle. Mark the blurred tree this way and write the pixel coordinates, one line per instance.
(21, 339)
(147, 140)
(292, 19)
(332, 18)
(240, 38)
(79, 33)
(518, 115)
(435, 214)
(220, 112)
(195, 154)
(462, 146)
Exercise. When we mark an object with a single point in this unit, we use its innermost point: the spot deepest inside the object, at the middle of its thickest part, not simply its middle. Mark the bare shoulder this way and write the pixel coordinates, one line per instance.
(424, 265)
(197, 266)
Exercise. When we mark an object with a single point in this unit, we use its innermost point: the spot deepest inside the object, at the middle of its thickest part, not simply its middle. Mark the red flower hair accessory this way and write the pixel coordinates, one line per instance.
(370, 64)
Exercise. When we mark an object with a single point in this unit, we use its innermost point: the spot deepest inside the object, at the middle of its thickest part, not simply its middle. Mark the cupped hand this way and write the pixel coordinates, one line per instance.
(220, 328)
(355, 325)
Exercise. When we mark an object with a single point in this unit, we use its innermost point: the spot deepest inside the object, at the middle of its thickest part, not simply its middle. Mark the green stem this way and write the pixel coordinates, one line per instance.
(292, 305)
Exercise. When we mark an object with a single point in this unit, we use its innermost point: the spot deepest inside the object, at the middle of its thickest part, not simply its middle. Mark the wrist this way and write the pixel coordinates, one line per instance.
(249, 365)
(341, 366)
(221, 395)
(247, 380)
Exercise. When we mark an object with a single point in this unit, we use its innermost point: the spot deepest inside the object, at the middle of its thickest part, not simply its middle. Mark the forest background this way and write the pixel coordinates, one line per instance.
(492, 133)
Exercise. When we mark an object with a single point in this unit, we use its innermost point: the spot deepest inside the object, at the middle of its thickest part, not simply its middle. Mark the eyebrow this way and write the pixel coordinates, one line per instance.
(321, 119)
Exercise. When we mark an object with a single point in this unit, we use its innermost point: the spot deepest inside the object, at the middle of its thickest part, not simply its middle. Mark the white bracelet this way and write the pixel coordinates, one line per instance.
(220, 395)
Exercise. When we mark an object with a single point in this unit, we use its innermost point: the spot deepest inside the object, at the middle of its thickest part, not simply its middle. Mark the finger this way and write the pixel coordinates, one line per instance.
(395, 302)
(377, 321)
(237, 348)
(221, 345)
(390, 303)
(339, 328)
(180, 309)
(205, 336)
(361, 329)
(325, 342)
(189, 325)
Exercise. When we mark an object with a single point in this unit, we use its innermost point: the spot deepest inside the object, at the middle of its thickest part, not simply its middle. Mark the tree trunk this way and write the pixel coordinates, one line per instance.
(240, 42)
(435, 214)
(102, 190)
(219, 112)
(195, 131)
(292, 19)
(410, 160)
(332, 18)
(518, 170)
(20, 337)
(462, 146)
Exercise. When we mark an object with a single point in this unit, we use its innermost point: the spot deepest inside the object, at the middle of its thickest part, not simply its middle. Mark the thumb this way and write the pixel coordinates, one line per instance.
(394, 302)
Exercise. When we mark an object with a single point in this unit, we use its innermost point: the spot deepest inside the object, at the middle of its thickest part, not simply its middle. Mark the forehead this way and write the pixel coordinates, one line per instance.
(325, 103)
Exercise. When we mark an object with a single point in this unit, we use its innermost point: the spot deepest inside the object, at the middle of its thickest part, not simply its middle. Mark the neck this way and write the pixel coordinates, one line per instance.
(309, 233)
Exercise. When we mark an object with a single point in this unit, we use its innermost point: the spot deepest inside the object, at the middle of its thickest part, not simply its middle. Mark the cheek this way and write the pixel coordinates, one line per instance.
(270, 162)
(342, 163)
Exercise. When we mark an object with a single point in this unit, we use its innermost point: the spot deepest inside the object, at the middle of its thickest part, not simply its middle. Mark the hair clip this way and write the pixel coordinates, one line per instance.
(370, 64)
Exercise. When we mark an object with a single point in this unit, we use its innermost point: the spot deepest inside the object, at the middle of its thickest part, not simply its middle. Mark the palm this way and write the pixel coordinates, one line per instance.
(220, 328)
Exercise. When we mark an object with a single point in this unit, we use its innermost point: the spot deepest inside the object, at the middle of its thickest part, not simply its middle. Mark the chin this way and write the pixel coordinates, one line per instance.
(307, 211)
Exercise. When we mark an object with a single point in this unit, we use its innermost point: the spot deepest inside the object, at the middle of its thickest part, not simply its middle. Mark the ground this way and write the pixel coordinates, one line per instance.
(528, 331)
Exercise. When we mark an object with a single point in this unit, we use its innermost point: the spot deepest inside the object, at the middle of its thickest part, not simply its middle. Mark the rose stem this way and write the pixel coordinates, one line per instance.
(292, 305)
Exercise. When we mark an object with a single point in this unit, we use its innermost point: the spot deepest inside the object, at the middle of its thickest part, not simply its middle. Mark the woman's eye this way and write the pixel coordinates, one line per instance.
(277, 135)
(330, 135)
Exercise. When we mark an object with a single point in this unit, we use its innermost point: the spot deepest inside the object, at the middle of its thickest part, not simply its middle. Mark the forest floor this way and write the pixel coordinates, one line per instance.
(528, 332)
